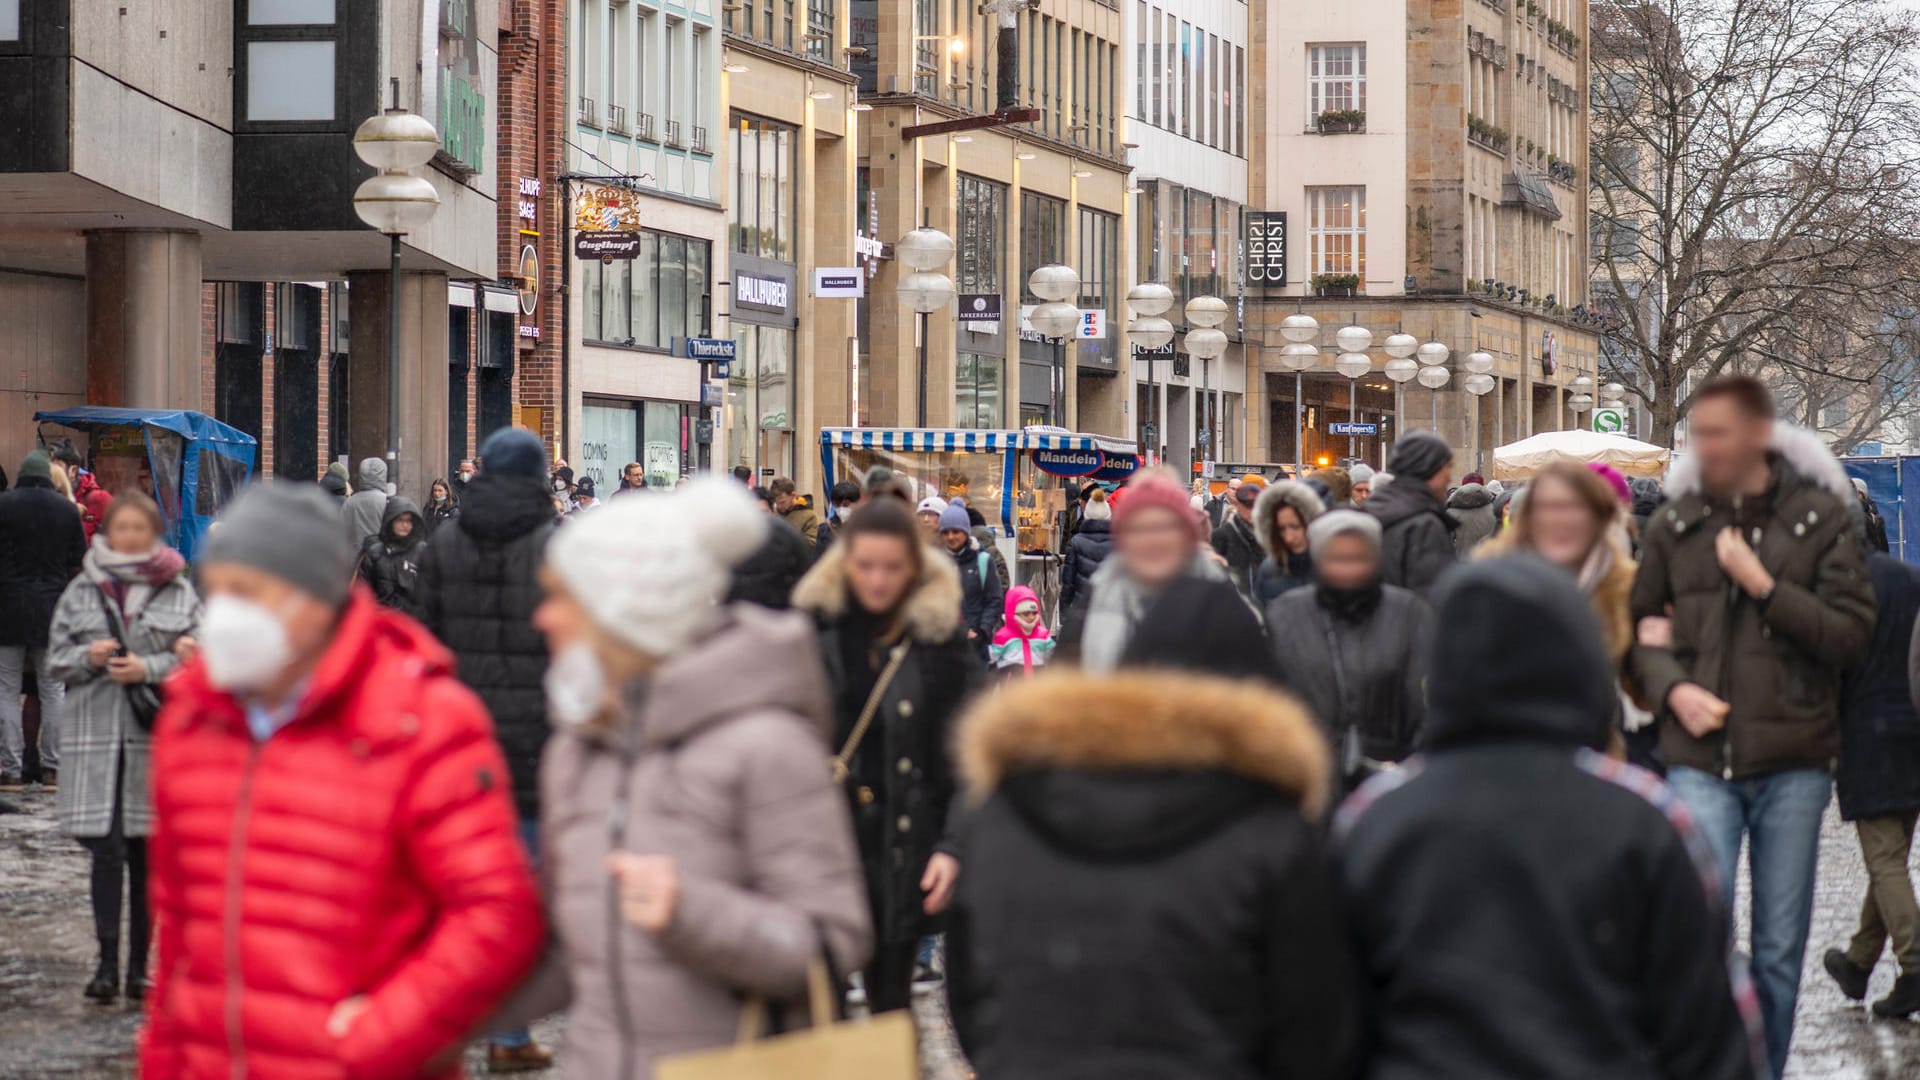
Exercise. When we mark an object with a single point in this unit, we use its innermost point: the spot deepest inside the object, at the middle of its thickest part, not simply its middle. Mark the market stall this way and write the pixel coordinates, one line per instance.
(190, 463)
(1521, 460)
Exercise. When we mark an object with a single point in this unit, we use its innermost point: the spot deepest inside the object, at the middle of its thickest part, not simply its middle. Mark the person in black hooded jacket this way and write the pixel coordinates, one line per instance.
(1086, 549)
(1145, 893)
(1416, 534)
(390, 560)
(1524, 906)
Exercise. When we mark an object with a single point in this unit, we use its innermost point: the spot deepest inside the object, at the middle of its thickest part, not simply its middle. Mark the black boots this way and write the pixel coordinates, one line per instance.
(1851, 976)
(106, 978)
(1903, 1001)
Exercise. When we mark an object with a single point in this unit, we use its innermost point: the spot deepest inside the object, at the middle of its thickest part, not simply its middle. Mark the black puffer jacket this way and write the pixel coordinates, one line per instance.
(390, 564)
(1364, 673)
(1143, 894)
(1416, 538)
(1085, 552)
(768, 576)
(477, 590)
(41, 545)
(1879, 769)
(1513, 881)
(1234, 540)
(903, 761)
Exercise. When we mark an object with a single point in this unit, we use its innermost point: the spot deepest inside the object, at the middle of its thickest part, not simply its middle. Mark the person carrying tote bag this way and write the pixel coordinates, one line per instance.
(114, 638)
(880, 1048)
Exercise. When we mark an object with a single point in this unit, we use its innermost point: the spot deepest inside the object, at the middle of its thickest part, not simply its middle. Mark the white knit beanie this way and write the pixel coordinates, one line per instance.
(651, 570)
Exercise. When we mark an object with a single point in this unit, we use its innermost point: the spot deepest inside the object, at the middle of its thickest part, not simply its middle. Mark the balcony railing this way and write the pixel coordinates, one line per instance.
(700, 141)
(617, 118)
(673, 134)
(588, 114)
(643, 129)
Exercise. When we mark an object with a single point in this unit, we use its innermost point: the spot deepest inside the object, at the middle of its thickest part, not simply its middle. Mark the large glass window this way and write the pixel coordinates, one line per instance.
(1336, 79)
(760, 215)
(649, 300)
(979, 391)
(760, 398)
(982, 234)
(1043, 235)
(1337, 231)
(1099, 275)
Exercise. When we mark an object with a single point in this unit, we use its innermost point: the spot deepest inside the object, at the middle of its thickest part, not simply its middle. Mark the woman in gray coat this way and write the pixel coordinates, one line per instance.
(117, 626)
(694, 849)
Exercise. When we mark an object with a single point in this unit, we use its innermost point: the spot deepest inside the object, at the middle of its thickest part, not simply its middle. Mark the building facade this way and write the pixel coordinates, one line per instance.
(1188, 68)
(1430, 164)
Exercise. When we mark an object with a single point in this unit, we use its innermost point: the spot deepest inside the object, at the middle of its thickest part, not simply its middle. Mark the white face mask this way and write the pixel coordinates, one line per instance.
(576, 685)
(246, 645)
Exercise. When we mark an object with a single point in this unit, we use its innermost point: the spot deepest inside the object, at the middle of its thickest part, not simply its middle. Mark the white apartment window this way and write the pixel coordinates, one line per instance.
(669, 114)
(696, 107)
(619, 60)
(644, 102)
(1140, 72)
(1159, 69)
(1337, 231)
(1336, 79)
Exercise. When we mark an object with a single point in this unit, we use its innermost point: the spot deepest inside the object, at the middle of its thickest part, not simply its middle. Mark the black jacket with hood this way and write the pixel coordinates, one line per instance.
(479, 583)
(390, 564)
(1416, 535)
(1523, 906)
(1086, 550)
(41, 546)
(1235, 541)
(1145, 892)
(1282, 571)
(1879, 768)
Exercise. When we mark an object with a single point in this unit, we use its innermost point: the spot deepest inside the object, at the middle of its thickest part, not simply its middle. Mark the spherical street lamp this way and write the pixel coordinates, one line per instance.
(395, 141)
(1055, 319)
(1151, 332)
(1206, 311)
(1149, 298)
(1433, 378)
(1206, 343)
(1299, 327)
(1433, 353)
(1058, 285)
(1478, 362)
(1479, 383)
(1353, 339)
(1353, 364)
(1401, 369)
(1298, 356)
(924, 251)
(1400, 345)
(1054, 282)
(925, 291)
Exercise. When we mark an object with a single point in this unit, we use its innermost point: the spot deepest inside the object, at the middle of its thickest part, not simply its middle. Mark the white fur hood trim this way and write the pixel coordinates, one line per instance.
(1804, 450)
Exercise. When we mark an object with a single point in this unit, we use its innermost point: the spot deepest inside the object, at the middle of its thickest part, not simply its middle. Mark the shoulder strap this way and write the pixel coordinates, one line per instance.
(982, 563)
(842, 759)
(113, 621)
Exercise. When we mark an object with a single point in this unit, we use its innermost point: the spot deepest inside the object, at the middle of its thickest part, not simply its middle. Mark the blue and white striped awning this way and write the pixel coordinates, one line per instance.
(950, 441)
(960, 440)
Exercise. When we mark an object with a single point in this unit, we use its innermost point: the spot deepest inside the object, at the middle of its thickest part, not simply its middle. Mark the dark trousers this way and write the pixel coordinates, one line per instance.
(118, 857)
(889, 976)
(1889, 913)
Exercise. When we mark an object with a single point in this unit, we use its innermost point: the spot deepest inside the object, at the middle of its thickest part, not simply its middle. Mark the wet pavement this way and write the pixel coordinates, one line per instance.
(49, 1032)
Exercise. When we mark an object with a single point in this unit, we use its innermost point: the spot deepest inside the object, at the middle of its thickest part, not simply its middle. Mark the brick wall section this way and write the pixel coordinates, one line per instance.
(531, 142)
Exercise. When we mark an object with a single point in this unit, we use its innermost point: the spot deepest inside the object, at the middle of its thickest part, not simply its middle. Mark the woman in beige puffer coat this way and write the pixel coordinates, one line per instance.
(693, 847)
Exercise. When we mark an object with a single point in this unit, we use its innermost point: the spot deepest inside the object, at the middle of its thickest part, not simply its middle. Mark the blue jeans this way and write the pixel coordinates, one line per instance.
(1780, 817)
(529, 836)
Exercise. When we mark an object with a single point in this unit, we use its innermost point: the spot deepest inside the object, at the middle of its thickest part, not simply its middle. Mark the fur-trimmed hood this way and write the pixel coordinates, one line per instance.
(1283, 493)
(932, 610)
(1140, 722)
(1802, 450)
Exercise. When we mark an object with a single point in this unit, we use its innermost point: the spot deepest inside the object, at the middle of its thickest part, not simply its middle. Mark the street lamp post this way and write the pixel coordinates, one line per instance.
(1150, 332)
(1353, 362)
(1400, 367)
(924, 251)
(1056, 318)
(1300, 329)
(396, 202)
(1207, 343)
(1582, 398)
(1478, 364)
(1433, 357)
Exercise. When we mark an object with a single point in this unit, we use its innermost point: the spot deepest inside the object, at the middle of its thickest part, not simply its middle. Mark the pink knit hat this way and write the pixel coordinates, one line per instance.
(1151, 489)
(1614, 480)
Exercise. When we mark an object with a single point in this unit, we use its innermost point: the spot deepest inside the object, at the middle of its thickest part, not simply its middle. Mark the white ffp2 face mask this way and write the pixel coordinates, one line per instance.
(246, 645)
(576, 686)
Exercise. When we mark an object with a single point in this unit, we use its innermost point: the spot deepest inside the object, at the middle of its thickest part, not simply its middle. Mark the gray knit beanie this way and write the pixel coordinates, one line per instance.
(293, 531)
(1341, 522)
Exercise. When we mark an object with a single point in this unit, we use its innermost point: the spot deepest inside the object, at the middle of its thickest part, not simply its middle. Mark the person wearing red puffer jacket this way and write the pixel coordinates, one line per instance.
(337, 882)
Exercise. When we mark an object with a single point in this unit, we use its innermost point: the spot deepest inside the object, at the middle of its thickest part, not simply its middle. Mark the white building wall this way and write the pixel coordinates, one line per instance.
(1186, 159)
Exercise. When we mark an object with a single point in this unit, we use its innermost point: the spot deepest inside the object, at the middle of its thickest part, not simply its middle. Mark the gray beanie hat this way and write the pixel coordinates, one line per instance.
(1341, 522)
(293, 531)
(1419, 454)
(1360, 474)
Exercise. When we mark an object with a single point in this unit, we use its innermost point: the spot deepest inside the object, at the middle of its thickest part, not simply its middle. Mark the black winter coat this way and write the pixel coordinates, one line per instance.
(1134, 908)
(390, 564)
(1879, 769)
(439, 515)
(41, 545)
(901, 781)
(1416, 535)
(1274, 581)
(477, 588)
(1523, 906)
(1085, 552)
(1234, 541)
(983, 599)
(768, 576)
(1367, 676)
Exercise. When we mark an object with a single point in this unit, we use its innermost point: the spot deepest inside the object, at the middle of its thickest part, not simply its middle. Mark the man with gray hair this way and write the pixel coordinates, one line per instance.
(1354, 647)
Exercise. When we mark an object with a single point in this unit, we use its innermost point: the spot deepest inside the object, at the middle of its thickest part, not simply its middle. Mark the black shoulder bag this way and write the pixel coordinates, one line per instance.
(142, 697)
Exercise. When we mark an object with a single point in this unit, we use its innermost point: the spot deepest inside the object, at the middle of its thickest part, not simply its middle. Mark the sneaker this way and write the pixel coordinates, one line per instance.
(11, 782)
(1851, 976)
(1904, 1000)
(531, 1057)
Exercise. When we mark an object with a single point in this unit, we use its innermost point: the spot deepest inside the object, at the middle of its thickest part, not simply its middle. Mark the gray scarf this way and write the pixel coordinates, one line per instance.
(1119, 602)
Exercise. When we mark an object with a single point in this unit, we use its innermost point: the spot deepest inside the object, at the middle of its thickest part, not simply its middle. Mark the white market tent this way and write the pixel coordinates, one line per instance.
(1521, 460)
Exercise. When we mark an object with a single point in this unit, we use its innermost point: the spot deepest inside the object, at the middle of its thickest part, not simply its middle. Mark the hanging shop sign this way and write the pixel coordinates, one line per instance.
(980, 312)
(606, 222)
(529, 279)
(1117, 467)
(1069, 462)
(1266, 241)
(841, 282)
(1092, 325)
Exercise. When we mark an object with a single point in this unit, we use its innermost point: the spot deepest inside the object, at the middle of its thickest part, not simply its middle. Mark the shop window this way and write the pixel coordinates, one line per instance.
(979, 391)
(760, 399)
(459, 363)
(240, 320)
(1043, 235)
(296, 382)
(760, 216)
(496, 373)
(981, 237)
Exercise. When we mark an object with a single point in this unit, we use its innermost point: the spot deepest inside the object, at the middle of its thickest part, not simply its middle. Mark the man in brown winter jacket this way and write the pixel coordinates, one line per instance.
(1752, 595)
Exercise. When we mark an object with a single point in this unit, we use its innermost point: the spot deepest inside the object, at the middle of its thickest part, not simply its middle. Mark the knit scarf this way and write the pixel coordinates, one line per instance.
(130, 580)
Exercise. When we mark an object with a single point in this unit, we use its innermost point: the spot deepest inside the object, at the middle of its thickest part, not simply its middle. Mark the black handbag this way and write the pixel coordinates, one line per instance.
(143, 698)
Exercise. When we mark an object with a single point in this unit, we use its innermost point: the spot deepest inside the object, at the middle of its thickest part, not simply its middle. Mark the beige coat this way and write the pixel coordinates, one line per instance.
(722, 766)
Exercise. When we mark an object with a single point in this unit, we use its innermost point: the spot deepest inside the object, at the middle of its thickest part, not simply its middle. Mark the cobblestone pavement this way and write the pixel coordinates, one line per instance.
(48, 1032)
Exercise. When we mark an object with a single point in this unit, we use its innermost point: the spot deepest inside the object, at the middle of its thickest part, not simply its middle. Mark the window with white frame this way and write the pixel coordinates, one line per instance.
(1337, 231)
(1336, 79)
